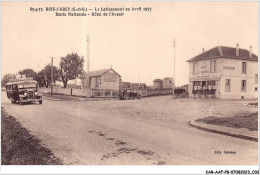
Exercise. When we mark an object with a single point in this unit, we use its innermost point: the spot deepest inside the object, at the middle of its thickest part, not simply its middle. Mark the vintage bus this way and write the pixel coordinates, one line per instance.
(23, 91)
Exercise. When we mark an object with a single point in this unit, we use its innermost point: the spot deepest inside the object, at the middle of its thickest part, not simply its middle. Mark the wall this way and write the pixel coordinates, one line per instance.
(168, 83)
(228, 69)
(110, 80)
(67, 91)
(232, 69)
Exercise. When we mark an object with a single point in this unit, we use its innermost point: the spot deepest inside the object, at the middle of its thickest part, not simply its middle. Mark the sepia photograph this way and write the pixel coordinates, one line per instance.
(156, 84)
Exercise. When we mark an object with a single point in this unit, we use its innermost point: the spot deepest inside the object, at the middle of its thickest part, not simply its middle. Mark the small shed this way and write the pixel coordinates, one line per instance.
(103, 79)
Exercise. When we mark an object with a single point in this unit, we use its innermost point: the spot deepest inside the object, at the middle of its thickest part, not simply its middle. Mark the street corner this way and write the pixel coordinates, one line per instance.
(242, 133)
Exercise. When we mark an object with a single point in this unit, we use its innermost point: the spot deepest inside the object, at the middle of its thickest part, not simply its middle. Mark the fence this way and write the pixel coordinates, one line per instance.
(67, 91)
(104, 93)
(100, 93)
(146, 93)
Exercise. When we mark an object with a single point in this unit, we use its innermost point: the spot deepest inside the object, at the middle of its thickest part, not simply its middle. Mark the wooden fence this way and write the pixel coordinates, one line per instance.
(100, 93)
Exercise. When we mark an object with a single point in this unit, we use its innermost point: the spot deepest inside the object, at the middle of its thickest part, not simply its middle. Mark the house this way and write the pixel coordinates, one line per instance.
(103, 79)
(225, 72)
(157, 84)
(168, 83)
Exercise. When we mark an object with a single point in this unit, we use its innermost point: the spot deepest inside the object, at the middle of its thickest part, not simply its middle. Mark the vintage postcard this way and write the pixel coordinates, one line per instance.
(130, 83)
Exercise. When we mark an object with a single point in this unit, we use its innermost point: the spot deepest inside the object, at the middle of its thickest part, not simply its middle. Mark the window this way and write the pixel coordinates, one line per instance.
(243, 85)
(196, 85)
(227, 85)
(256, 78)
(244, 67)
(212, 83)
(213, 66)
(195, 68)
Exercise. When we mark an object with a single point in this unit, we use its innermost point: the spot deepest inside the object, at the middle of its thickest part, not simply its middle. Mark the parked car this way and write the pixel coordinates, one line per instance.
(129, 94)
(181, 93)
(23, 91)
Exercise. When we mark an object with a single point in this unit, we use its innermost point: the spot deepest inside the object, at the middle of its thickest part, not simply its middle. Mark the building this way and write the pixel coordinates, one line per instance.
(225, 72)
(103, 79)
(135, 86)
(125, 85)
(138, 86)
(168, 83)
(157, 84)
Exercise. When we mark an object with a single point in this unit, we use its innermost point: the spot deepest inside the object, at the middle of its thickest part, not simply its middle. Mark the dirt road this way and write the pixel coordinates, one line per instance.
(152, 130)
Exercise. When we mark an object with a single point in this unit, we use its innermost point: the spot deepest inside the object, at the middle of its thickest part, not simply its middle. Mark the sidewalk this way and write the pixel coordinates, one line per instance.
(242, 133)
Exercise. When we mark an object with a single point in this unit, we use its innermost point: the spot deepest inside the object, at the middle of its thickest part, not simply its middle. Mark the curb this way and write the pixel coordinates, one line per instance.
(193, 124)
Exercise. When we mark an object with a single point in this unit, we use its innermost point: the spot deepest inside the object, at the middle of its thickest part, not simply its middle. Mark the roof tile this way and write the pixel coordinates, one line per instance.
(224, 52)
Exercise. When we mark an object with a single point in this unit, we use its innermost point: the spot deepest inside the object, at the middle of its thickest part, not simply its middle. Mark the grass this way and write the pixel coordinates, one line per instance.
(249, 121)
(19, 147)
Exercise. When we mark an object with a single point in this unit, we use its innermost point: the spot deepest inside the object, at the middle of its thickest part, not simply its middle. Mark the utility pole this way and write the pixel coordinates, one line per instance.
(88, 59)
(51, 75)
(173, 85)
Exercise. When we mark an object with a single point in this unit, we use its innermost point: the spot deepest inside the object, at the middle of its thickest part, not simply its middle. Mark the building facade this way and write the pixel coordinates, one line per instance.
(104, 79)
(224, 72)
(157, 84)
(168, 83)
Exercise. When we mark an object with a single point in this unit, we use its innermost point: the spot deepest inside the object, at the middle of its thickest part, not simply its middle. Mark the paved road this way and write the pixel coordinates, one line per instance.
(152, 130)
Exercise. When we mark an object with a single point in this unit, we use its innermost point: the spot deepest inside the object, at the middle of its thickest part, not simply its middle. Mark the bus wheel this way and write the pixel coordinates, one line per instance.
(40, 102)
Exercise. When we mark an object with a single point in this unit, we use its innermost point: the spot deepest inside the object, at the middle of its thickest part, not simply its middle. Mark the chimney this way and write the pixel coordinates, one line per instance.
(250, 52)
(237, 50)
(203, 50)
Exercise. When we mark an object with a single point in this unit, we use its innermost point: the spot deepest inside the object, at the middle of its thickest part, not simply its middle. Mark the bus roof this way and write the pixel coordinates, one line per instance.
(22, 82)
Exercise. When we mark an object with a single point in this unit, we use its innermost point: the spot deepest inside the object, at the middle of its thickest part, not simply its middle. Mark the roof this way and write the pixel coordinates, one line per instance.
(22, 82)
(168, 78)
(97, 73)
(157, 80)
(224, 52)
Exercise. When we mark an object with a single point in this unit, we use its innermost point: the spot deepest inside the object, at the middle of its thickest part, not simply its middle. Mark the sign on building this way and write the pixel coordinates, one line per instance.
(110, 77)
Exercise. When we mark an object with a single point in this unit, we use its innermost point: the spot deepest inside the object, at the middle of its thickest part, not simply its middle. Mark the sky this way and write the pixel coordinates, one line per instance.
(138, 45)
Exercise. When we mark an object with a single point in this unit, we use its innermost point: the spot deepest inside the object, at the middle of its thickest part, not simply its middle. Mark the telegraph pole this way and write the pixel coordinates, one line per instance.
(173, 86)
(51, 75)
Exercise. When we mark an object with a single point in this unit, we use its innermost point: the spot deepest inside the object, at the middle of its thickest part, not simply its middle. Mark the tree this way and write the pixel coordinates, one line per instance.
(71, 67)
(6, 78)
(28, 73)
(44, 76)
(41, 79)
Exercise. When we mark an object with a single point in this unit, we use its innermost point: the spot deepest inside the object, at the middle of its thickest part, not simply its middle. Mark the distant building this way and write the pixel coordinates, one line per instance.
(125, 85)
(226, 72)
(157, 84)
(103, 79)
(135, 86)
(168, 83)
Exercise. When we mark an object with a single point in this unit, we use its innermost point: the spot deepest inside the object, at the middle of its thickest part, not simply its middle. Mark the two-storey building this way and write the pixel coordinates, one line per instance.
(224, 72)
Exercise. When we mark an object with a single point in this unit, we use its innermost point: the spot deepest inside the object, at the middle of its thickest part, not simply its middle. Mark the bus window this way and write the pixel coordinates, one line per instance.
(14, 87)
(8, 87)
